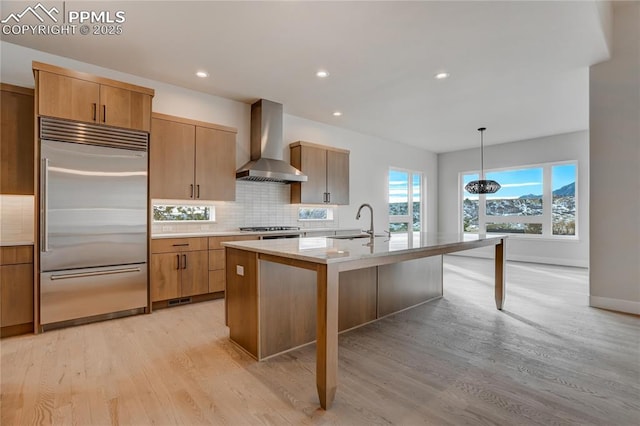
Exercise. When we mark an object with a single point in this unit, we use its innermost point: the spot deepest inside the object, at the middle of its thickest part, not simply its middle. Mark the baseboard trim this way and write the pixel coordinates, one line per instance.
(619, 305)
(529, 259)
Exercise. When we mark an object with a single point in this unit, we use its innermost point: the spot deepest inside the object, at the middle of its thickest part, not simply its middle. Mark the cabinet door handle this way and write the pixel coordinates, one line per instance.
(178, 261)
(191, 196)
(104, 113)
(328, 197)
(95, 111)
(184, 258)
(198, 191)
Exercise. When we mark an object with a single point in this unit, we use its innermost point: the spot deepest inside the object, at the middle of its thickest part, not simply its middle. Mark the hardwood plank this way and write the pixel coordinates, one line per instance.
(547, 358)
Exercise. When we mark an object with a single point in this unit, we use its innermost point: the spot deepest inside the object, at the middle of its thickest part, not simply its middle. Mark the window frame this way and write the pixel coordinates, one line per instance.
(330, 213)
(546, 218)
(408, 218)
(183, 203)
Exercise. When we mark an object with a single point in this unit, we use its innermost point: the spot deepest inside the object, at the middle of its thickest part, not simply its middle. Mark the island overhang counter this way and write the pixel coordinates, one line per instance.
(330, 264)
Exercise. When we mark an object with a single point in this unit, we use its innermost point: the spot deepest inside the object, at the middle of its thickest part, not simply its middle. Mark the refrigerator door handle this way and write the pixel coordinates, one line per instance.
(44, 206)
(93, 274)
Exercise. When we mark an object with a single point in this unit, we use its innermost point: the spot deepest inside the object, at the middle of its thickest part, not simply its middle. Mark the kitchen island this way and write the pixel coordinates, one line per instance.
(278, 319)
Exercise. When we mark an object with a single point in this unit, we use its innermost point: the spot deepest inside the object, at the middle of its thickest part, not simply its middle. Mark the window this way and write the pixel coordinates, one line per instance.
(537, 200)
(405, 201)
(315, 213)
(563, 207)
(175, 212)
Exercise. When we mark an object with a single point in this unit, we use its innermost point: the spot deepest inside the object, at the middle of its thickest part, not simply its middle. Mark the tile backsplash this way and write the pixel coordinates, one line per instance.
(16, 219)
(257, 204)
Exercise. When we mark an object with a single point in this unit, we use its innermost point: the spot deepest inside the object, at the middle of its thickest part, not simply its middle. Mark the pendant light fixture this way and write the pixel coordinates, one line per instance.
(482, 186)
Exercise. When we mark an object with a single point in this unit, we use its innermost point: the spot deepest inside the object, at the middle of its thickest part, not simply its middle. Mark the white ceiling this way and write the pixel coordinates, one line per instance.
(518, 68)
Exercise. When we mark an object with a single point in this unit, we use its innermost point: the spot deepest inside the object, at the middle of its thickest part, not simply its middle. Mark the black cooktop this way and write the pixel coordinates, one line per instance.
(269, 228)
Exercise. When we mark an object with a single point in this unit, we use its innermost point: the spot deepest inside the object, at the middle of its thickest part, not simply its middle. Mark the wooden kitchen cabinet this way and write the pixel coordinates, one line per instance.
(215, 168)
(217, 274)
(125, 108)
(327, 169)
(84, 97)
(171, 159)
(16, 140)
(191, 160)
(16, 290)
(178, 268)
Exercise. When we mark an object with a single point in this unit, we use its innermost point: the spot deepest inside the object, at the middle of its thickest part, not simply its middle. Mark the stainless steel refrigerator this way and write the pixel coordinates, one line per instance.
(93, 222)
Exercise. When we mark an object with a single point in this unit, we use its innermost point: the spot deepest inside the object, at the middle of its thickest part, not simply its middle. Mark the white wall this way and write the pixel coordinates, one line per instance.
(370, 157)
(614, 272)
(369, 164)
(569, 146)
(15, 68)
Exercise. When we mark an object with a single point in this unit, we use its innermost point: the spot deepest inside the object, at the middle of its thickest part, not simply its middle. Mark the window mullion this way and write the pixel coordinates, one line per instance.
(547, 201)
(482, 211)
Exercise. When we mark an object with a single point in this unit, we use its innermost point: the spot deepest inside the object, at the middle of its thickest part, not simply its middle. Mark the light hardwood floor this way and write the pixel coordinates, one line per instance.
(546, 359)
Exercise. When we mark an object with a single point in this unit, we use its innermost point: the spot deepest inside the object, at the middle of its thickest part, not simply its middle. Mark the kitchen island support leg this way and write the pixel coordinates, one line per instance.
(327, 334)
(500, 270)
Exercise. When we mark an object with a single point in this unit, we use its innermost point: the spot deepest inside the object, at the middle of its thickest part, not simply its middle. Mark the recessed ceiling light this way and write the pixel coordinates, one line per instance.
(202, 74)
(322, 74)
(337, 113)
(442, 75)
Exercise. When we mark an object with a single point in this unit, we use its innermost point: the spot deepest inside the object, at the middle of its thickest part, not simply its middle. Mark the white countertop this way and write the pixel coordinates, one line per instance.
(332, 250)
(237, 232)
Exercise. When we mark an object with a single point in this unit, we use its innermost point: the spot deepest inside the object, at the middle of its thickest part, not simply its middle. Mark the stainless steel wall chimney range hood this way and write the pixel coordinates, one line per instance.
(267, 143)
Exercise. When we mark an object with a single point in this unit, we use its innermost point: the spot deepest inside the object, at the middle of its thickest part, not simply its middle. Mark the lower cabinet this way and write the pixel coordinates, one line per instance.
(217, 275)
(178, 268)
(185, 267)
(16, 290)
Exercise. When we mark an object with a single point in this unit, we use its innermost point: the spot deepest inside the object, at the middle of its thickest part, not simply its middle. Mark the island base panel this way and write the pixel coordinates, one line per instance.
(409, 283)
(242, 298)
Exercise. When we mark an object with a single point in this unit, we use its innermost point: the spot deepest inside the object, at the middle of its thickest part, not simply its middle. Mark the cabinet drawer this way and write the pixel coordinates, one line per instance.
(216, 260)
(216, 242)
(15, 255)
(169, 245)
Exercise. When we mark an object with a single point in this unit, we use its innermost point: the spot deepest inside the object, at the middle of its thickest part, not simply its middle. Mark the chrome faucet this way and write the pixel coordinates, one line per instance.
(370, 231)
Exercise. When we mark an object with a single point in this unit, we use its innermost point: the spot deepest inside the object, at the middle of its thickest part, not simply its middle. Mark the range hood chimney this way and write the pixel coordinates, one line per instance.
(267, 143)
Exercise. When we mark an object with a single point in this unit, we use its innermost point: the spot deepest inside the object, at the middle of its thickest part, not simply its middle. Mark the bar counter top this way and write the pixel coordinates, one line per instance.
(326, 250)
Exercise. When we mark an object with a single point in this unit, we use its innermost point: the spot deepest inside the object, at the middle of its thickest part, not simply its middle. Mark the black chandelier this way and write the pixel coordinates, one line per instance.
(482, 186)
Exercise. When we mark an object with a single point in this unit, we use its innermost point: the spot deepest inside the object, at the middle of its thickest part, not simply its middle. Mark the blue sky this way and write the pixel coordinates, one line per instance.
(516, 183)
(398, 186)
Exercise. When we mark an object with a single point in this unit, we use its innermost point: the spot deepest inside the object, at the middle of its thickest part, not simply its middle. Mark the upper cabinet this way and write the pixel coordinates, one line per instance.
(327, 169)
(83, 97)
(16, 140)
(191, 160)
